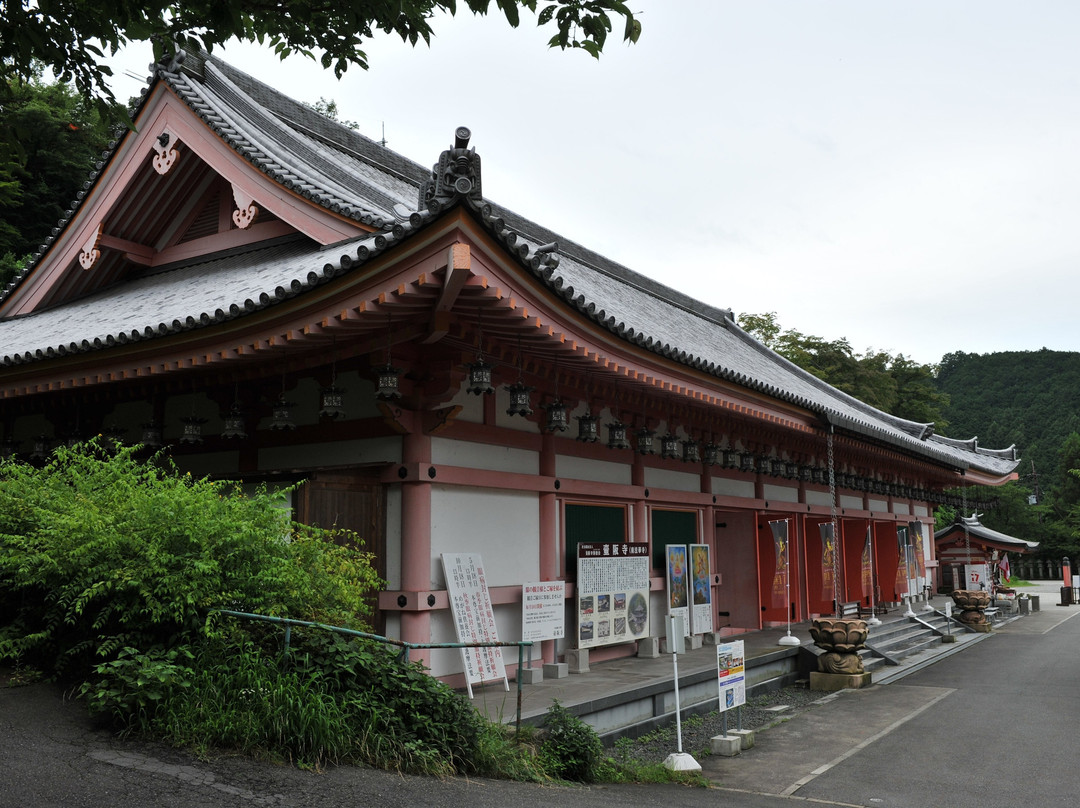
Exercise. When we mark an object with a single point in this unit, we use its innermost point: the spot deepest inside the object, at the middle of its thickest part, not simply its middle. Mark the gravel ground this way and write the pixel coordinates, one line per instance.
(697, 730)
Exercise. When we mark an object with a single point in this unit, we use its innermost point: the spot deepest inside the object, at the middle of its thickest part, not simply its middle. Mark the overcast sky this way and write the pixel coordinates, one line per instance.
(903, 174)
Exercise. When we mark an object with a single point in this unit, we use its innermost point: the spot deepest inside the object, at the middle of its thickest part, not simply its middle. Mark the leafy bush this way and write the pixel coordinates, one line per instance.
(99, 552)
(571, 749)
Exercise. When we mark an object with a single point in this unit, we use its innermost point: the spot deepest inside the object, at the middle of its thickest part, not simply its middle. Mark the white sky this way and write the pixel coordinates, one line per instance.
(900, 173)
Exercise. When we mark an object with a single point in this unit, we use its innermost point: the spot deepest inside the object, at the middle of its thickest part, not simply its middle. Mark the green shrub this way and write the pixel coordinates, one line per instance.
(571, 749)
(100, 552)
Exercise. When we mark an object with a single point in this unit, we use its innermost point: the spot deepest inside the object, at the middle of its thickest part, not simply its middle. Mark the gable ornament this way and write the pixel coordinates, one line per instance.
(246, 210)
(89, 253)
(455, 176)
(165, 146)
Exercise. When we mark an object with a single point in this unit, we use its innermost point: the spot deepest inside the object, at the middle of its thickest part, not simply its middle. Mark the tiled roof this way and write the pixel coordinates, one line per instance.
(340, 169)
(980, 531)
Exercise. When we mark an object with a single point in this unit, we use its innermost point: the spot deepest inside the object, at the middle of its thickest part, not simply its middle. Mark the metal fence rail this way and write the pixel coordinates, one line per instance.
(289, 622)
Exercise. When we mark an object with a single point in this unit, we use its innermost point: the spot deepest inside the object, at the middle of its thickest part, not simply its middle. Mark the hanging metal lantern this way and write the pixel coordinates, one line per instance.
(588, 429)
(151, 434)
(732, 459)
(519, 399)
(331, 403)
(746, 462)
(282, 419)
(389, 378)
(558, 419)
(617, 436)
(669, 446)
(690, 451)
(192, 429)
(646, 441)
(712, 454)
(479, 378)
(234, 424)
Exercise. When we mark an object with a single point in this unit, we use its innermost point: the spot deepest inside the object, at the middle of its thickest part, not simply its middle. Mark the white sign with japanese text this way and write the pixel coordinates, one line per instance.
(474, 617)
(543, 612)
(612, 593)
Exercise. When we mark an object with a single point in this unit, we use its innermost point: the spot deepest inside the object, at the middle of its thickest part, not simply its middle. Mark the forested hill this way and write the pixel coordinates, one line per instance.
(1027, 398)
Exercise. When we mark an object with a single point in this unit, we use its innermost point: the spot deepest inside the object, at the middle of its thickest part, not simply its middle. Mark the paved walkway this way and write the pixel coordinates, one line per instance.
(605, 679)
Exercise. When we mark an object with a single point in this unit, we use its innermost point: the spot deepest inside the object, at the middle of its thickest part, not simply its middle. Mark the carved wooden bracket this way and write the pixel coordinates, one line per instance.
(89, 254)
(165, 146)
(246, 211)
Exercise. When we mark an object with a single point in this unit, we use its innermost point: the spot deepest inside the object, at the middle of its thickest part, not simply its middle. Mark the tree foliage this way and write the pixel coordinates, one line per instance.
(50, 141)
(893, 384)
(72, 38)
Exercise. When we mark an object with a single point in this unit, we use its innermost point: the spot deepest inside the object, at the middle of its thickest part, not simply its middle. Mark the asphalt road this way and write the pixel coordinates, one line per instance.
(994, 725)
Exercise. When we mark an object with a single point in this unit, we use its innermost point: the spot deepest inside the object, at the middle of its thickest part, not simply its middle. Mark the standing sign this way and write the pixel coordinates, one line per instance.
(975, 576)
(474, 617)
(612, 593)
(701, 610)
(543, 616)
(678, 589)
(731, 674)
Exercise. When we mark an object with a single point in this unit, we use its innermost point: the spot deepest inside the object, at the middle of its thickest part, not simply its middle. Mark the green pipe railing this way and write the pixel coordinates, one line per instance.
(289, 622)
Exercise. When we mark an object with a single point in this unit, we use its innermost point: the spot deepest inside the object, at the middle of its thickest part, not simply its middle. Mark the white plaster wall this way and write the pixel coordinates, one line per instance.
(502, 526)
(878, 504)
(847, 501)
(820, 498)
(780, 493)
(336, 453)
(484, 456)
(902, 508)
(600, 471)
(728, 487)
(674, 480)
(920, 510)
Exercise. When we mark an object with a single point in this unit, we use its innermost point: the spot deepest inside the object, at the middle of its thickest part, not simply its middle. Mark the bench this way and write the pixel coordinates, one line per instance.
(879, 608)
(850, 609)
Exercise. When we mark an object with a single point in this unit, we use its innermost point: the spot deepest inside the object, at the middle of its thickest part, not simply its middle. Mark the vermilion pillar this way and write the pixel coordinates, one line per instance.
(416, 540)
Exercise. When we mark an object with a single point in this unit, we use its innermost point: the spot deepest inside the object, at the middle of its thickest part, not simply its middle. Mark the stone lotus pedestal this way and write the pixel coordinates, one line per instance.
(972, 604)
(840, 667)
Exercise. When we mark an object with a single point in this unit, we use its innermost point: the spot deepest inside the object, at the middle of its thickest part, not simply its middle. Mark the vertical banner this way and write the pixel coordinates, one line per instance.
(701, 612)
(731, 674)
(543, 612)
(902, 561)
(919, 570)
(474, 617)
(828, 562)
(612, 593)
(678, 584)
(780, 582)
(867, 566)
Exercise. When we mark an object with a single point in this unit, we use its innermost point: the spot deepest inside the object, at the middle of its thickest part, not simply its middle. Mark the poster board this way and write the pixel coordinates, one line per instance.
(474, 618)
(612, 593)
(678, 584)
(543, 612)
(701, 612)
(731, 674)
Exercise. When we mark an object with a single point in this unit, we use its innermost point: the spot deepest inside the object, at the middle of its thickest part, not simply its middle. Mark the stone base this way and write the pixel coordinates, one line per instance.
(948, 638)
(725, 745)
(530, 676)
(747, 736)
(980, 628)
(838, 681)
(648, 648)
(578, 660)
(556, 670)
(694, 642)
(711, 638)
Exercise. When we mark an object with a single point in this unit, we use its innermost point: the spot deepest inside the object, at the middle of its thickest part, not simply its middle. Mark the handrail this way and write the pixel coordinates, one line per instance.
(405, 646)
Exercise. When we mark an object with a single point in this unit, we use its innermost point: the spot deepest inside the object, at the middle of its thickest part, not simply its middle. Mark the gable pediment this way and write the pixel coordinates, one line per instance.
(171, 191)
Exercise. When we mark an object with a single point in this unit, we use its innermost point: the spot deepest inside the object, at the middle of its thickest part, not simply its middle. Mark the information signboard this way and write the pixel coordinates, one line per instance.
(731, 674)
(612, 593)
(543, 611)
(474, 618)
(701, 585)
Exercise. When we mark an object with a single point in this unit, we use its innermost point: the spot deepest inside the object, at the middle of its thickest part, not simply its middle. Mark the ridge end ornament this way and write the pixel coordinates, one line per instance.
(455, 176)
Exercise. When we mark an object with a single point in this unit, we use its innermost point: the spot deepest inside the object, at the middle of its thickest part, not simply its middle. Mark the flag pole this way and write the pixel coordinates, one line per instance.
(873, 621)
